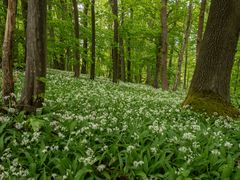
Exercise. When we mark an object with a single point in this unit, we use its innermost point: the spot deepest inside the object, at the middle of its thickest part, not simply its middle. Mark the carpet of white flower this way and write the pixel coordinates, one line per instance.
(97, 130)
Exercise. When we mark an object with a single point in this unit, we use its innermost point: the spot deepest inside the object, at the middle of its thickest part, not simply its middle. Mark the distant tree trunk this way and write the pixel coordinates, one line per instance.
(237, 77)
(85, 40)
(158, 62)
(122, 57)
(24, 4)
(171, 57)
(114, 4)
(52, 40)
(185, 69)
(93, 56)
(129, 63)
(149, 75)
(77, 36)
(164, 44)
(7, 61)
(200, 26)
(210, 86)
(184, 45)
(34, 84)
(2, 26)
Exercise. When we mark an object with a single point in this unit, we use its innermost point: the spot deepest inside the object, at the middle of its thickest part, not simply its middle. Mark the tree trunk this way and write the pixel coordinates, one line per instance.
(129, 63)
(164, 45)
(24, 15)
(158, 62)
(149, 74)
(121, 44)
(210, 86)
(2, 26)
(185, 69)
(85, 40)
(171, 54)
(34, 84)
(93, 56)
(184, 45)
(200, 26)
(7, 61)
(114, 4)
(77, 36)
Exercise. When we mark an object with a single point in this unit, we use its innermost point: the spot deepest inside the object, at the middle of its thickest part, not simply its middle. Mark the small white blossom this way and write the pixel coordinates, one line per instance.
(101, 167)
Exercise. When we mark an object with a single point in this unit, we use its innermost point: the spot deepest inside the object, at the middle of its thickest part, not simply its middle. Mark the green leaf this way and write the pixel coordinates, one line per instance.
(141, 174)
(36, 123)
(226, 171)
(2, 127)
(82, 172)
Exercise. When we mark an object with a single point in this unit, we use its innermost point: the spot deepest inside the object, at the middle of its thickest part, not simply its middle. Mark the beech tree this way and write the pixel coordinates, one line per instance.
(200, 26)
(164, 44)
(184, 46)
(34, 83)
(93, 55)
(115, 56)
(85, 40)
(7, 58)
(77, 36)
(210, 87)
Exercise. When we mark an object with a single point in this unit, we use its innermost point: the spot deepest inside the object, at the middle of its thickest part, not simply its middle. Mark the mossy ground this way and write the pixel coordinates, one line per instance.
(210, 103)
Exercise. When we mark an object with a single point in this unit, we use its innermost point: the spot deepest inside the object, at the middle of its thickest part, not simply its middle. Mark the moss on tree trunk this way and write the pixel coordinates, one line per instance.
(210, 103)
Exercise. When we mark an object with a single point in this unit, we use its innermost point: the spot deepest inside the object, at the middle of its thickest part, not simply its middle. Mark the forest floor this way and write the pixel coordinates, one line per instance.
(97, 130)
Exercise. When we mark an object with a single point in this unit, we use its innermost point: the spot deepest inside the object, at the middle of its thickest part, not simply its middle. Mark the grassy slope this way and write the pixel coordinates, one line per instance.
(96, 130)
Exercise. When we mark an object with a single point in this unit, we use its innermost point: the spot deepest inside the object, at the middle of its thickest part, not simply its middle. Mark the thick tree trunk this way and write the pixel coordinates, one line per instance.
(93, 55)
(158, 62)
(77, 36)
(115, 56)
(184, 45)
(85, 40)
(34, 84)
(200, 26)
(7, 61)
(210, 86)
(164, 44)
(24, 15)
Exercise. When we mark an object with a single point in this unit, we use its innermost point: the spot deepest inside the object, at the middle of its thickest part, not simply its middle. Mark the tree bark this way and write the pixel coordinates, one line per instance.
(210, 86)
(115, 56)
(158, 62)
(34, 84)
(2, 26)
(185, 69)
(129, 63)
(149, 74)
(24, 15)
(121, 44)
(7, 59)
(77, 36)
(93, 55)
(200, 26)
(184, 45)
(164, 46)
(85, 40)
